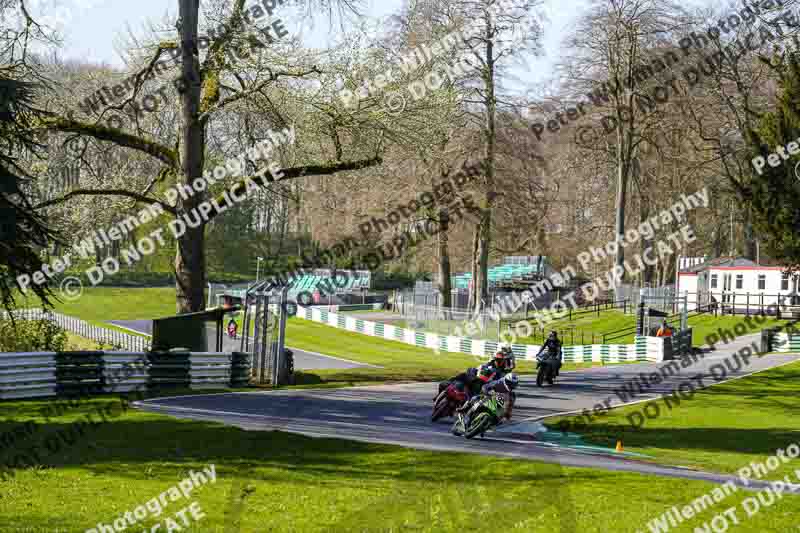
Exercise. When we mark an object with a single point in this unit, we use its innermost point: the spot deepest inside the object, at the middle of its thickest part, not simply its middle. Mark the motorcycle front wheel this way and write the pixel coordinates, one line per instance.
(540, 376)
(478, 425)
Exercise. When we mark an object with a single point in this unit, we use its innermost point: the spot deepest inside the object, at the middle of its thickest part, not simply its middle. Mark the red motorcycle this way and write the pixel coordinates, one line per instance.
(447, 402)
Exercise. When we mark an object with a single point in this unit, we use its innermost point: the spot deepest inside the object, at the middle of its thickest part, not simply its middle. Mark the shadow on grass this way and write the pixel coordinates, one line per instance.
(705, 439)
(755, 415)
(142, 442)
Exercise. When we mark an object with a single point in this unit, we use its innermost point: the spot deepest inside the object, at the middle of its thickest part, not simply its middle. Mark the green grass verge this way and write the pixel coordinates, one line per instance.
(97, 305)
(400, 362)
(722, 428)
(77, 343)
(273, 481)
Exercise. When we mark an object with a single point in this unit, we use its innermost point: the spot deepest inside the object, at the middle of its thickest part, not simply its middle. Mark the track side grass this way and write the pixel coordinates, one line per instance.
(400, 361)
(274, 481)
(98, 305)
(722, 428)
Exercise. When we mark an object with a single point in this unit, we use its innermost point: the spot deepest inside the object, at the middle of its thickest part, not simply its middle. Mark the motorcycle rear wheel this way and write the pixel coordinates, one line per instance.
(440, 409)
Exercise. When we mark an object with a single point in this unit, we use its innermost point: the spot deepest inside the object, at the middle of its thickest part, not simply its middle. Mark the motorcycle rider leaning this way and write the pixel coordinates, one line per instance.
(466, 381)
(472, 379)
(553, 347)
(499, 366)
(493, 371)
(504, 386)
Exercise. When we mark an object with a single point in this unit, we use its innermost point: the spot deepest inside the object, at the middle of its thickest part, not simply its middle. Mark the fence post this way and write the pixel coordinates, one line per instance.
(747, 309)
(640, 317)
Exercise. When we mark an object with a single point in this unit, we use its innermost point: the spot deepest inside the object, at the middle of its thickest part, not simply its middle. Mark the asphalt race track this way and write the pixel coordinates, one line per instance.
(400, 414)
(303, 359)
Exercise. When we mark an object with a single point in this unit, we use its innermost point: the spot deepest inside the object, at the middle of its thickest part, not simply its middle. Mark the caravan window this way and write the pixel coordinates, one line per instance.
(785, 281)
(762, 282)
(739, 281)
(713, 281)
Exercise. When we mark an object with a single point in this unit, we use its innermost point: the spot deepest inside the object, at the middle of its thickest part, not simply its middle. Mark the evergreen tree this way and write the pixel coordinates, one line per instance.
(22, 231)
(775, 192)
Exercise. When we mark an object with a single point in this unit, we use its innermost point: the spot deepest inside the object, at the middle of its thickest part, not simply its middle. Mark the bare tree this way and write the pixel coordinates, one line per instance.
(205, 88)
(612, 48)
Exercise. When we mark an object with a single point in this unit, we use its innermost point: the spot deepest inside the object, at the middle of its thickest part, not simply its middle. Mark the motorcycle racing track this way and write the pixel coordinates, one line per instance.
(400, 414)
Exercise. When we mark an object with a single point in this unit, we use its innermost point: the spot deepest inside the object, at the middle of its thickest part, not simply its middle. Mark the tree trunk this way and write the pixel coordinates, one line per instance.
(622, 193)
(644, 214)
(749, 237)
(444, 258)
(190, 269)
(473, 295)
(284, 224)
(484, 228)
(190, 264)
(481, 277)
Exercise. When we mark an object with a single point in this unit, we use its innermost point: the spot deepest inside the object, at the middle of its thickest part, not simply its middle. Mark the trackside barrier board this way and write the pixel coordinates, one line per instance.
(644, 348)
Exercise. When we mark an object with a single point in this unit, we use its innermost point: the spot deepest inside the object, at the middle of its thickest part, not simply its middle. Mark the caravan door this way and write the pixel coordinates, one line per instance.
(726, 287)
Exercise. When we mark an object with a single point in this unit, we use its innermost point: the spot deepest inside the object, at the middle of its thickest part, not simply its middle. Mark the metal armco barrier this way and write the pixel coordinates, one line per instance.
(41, 374)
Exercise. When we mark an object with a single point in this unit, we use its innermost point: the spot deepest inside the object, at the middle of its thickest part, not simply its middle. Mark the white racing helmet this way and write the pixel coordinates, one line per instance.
(512, 381)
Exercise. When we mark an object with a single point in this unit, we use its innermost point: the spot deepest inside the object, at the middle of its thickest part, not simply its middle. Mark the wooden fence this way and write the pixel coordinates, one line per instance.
(110, 337)
(732, 302)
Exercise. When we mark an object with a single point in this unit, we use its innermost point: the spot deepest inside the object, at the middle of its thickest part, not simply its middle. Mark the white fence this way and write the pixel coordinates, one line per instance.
(111, 337)
(644, 348)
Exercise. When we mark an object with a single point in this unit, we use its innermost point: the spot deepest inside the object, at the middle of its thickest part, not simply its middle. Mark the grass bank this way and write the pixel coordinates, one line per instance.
(399, 361)
(722, 428)
(274, 481)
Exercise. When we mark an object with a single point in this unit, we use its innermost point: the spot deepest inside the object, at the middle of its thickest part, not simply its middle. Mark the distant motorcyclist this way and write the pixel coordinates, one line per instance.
(504, 360)
(553, 347)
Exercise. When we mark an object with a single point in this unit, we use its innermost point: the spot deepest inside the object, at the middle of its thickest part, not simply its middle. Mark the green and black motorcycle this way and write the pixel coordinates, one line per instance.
(481, 417)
